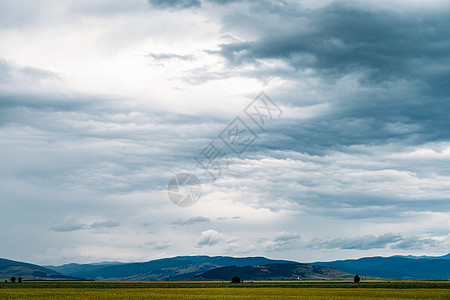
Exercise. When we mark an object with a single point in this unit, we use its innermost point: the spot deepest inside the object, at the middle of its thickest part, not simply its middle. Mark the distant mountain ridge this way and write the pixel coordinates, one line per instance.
(447, 256)
(396, 267)
(275, 271)
(188, 267)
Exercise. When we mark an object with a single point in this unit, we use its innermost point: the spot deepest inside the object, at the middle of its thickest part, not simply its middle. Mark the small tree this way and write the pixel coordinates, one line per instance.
(235, 279)
(356, 279)
(13, 279)
(19, 279)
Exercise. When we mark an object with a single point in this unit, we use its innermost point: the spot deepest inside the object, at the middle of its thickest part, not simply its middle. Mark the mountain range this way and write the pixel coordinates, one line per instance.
(395, 267)
(248, 268)
(175, 268)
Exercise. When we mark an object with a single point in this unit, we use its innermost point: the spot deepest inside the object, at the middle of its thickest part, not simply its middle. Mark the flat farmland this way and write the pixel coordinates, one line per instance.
(225, 290)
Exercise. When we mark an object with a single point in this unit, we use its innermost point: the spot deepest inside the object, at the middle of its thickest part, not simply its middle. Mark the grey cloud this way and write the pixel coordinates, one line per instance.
(130, 145)
(368, 242)
(416, 243)
(169, 56)
(5, 71)
(23, 87)
(67, 227)
(158, 245)
(382, 92)
(175, 4)
(73, 226)
(193, 220)
(106, 8)
(282, 242)
(361, 242)
(18, 14)
(367, 185)
(227, 218)
(105, 224)
(185, 4)
(223, 2)
(9, 73)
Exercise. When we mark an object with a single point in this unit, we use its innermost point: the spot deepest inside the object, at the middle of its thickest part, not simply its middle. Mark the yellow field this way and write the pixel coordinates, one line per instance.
(226, 290)
(225, 293)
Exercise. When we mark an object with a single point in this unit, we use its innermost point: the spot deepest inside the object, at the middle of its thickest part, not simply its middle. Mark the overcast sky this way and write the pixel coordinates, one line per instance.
(103, 102)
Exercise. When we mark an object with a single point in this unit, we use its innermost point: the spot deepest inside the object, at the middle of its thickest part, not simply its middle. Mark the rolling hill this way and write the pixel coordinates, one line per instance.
(9, 268)
(275, 271)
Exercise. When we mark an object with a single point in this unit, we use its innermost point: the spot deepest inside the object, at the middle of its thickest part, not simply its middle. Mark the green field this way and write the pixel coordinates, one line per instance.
(219, 290)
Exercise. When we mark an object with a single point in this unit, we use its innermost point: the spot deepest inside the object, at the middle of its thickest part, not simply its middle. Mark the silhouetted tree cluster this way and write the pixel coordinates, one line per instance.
(13, 279)
(235, 279)
(356, 279)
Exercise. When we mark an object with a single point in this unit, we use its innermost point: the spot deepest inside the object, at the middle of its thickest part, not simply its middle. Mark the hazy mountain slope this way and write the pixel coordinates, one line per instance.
(78, 270)
(395, 267)
(9, 268)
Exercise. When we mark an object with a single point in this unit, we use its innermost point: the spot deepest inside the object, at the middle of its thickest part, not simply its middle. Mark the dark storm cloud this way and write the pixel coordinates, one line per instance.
(398, 61)
(343, 38)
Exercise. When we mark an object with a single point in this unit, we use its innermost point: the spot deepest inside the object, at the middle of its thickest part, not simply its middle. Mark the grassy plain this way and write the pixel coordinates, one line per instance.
(225, 290)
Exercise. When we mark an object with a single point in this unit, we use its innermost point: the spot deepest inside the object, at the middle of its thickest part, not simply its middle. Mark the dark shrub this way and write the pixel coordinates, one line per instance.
(235, 279)
(356, 279)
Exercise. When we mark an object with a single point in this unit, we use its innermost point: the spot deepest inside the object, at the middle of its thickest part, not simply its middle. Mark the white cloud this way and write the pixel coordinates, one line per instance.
(209, 237)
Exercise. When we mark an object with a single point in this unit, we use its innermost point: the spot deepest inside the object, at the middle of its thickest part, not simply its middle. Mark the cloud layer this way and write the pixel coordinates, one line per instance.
(102, 102)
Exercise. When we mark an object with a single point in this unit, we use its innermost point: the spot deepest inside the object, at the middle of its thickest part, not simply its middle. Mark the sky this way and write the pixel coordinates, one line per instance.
(103, 102)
